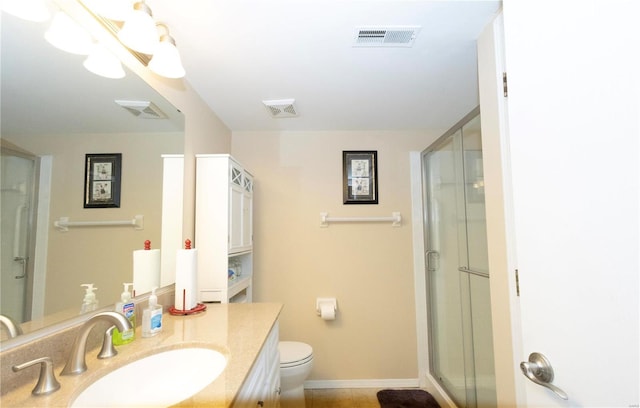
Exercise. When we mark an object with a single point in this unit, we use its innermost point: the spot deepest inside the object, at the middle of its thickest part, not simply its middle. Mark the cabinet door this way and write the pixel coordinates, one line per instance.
(247, 210)
(236, 193)
(272, 388)
(262, 386)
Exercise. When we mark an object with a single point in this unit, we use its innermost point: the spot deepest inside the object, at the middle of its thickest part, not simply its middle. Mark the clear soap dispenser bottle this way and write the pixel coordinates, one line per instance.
(152, 316)
(128, 309)
(90, 302)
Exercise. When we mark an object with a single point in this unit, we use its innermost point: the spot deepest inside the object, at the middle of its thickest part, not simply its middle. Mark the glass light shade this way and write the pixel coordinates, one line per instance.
(116, 10)
(139, 31)
(67, 35)
(31, 10)
(166, 61)
(102, 62)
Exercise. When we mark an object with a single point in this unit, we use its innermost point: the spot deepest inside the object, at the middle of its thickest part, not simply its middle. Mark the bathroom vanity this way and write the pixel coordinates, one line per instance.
(246, 334)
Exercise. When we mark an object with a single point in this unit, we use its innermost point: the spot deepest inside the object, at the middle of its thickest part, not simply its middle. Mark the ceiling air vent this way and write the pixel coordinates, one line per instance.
(142, 109)
(387, 36)
(281, 108)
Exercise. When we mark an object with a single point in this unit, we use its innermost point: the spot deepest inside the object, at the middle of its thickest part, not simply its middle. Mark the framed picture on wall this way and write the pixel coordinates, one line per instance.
(360, 177)
(102, 180)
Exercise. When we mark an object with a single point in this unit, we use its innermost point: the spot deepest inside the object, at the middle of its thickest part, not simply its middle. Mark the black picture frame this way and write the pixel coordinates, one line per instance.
(102, 172)
(360, 177)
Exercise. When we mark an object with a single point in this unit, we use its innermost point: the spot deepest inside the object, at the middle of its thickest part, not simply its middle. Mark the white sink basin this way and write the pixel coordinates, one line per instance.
(159, 380)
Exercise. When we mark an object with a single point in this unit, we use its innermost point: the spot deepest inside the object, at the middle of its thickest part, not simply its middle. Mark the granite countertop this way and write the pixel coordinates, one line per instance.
(236, 330)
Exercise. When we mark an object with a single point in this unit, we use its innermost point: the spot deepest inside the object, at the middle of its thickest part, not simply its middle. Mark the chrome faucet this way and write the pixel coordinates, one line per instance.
(47, 382)
(76, 363)
(13, 327)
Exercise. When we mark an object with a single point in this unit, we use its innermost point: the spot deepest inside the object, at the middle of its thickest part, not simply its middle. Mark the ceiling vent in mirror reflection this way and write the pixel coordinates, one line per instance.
(281, 108)
(142, 109)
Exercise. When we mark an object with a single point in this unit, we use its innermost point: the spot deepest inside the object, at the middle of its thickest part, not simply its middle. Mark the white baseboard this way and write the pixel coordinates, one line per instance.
(373, 383)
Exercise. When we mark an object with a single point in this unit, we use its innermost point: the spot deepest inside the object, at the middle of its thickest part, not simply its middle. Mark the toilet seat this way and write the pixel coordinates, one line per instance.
(294, 353)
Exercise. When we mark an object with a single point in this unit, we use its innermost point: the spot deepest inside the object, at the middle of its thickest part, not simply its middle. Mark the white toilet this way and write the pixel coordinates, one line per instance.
(296, 361)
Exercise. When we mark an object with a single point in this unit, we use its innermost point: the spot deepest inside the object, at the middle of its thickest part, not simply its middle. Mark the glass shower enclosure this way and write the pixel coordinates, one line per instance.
(459, 310)
(18, 170)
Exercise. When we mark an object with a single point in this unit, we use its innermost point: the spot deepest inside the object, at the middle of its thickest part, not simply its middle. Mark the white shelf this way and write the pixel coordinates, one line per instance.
(238, 285)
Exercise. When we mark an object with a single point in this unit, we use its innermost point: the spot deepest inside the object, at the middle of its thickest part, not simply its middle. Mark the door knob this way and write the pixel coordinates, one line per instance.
(538, 369)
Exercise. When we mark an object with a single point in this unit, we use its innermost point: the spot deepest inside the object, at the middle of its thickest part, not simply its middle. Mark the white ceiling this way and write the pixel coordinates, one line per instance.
(238, 53)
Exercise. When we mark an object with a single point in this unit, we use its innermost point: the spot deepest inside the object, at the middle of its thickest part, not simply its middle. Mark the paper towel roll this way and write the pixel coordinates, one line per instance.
(146, 270)
(327, 311)
(186, 279)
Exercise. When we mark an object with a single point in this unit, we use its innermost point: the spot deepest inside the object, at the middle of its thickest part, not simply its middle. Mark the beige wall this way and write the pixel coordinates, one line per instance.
(204, 133)
(367, 267)
(102, 256)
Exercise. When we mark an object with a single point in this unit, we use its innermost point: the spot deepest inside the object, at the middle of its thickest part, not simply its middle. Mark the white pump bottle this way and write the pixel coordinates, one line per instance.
(90, 302)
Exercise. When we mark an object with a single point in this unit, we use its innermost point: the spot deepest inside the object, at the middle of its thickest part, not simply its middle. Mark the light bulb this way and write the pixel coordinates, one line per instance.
(139, 31)
(67, 35)
(102, 62)
(31, 10)
(166, 60)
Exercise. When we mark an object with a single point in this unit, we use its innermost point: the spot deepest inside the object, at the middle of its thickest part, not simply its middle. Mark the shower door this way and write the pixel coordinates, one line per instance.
(460, 337)
(18, 174)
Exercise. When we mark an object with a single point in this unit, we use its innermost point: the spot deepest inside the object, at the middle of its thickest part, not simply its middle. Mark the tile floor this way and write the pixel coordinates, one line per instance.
(342, 398)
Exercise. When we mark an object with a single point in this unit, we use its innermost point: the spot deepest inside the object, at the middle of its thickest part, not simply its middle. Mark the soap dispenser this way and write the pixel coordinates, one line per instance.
(90, 302)
(152, 316)
(128, 309)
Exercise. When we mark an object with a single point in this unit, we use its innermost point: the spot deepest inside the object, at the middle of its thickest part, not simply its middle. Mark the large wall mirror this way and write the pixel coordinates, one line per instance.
(54, 112)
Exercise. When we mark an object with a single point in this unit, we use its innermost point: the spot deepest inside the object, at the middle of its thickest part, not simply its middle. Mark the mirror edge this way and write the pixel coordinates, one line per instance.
(9, 344)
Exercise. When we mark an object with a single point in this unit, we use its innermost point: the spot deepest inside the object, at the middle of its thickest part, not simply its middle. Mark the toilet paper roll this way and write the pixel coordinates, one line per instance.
(186, 279)
(327, 312)
(146, 270)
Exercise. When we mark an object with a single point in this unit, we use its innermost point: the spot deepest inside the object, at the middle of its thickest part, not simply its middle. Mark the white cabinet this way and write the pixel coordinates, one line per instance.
(261, 388)
(241, 208)
(224, 231)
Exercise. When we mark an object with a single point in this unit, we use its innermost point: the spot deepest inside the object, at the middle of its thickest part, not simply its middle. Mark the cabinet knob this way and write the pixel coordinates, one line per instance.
(261, 403)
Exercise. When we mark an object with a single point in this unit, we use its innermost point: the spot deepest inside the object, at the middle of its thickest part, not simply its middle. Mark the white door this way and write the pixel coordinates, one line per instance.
(570, 164)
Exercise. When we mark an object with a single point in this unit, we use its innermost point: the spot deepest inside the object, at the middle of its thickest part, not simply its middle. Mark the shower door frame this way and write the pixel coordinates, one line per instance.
(27, 241)
(38, 220)
(420, 240)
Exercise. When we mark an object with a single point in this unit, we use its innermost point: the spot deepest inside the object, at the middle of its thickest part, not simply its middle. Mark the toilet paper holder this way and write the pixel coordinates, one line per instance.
(324, 302)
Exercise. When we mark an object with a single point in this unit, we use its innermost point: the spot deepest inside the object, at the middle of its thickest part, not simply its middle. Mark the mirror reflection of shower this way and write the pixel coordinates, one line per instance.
(18, 170)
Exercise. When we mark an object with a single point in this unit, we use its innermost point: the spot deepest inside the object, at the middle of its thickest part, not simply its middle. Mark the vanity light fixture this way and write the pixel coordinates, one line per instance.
(166, 60)
(139, 31)
(116, 10)
(31, 10)
(102, 62)
(67, 35)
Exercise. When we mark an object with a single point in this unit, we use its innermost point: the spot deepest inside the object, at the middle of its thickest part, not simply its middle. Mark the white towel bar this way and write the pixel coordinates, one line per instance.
(395, 219)
(63, 224)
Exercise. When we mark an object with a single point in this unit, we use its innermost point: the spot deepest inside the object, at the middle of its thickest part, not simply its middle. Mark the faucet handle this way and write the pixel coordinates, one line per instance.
(107, 350)
(47, 382)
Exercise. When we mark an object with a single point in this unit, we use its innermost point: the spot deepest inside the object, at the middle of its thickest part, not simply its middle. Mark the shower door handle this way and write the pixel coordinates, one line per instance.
(23, 260)
(538, 369)
(431, 265)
